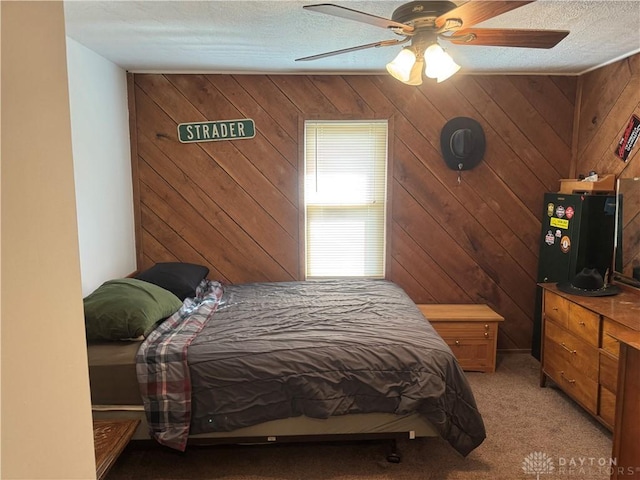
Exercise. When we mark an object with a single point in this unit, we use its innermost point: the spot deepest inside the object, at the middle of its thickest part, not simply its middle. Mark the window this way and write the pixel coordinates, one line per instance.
(345, 187)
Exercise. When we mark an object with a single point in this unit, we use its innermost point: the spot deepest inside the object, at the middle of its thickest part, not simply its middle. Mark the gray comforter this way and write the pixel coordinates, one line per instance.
(277, 350)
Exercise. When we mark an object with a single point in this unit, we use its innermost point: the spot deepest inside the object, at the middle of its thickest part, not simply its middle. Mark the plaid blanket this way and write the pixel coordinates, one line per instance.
(162, 369)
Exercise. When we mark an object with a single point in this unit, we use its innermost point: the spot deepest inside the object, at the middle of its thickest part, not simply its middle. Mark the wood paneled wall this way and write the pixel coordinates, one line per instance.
(234, 205)
(610, 96)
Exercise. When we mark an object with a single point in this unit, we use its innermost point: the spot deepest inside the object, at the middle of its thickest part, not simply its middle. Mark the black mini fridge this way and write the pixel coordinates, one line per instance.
(577, 233)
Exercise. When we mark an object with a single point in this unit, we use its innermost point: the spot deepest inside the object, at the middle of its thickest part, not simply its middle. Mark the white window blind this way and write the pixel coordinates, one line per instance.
(345, 187)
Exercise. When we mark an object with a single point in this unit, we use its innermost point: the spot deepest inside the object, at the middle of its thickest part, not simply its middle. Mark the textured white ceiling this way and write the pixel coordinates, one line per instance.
(267, 36)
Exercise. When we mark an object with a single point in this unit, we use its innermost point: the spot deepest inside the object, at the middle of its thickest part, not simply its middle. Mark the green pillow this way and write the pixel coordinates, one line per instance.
(126, 308)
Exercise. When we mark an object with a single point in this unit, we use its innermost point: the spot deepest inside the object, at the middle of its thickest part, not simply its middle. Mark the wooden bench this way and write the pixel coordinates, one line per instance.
(470, 330)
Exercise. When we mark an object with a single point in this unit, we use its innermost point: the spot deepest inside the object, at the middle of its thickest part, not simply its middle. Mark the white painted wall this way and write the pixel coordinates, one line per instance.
(102, 166)
(46, 407)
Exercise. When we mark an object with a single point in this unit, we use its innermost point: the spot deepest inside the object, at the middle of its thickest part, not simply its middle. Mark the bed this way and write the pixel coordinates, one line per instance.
(288, 360)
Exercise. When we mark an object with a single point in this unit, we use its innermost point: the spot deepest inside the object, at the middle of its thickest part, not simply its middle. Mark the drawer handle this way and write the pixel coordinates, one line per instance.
(486, 335)
(554, 308)
(567, 379)
(568, 349)
(581, 323)
(486, 326)
(457, 342)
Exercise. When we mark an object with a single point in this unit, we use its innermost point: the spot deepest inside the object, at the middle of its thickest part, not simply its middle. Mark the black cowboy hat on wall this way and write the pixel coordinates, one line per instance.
(462, 143)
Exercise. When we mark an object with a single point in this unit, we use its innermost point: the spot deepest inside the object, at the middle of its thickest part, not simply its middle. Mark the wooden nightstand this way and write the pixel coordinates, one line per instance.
(470, 330)
(109, 439)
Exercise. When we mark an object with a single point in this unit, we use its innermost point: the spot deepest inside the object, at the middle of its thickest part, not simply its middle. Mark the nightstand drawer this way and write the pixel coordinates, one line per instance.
(472, 355)
(465, 330)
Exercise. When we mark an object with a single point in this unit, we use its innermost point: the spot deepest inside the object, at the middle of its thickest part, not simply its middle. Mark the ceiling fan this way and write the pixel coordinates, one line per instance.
(424, 23)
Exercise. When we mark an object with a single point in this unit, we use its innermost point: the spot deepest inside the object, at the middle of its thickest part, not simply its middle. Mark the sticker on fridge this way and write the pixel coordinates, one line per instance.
(549, 239)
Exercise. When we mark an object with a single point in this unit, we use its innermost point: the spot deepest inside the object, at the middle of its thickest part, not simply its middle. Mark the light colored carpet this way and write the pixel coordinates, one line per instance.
(522, 420)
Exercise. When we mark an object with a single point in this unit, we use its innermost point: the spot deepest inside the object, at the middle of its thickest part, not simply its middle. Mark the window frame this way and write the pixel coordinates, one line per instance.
(301, 181)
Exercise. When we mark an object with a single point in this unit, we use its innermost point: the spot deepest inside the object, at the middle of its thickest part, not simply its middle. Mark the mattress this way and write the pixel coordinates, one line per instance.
(112, 373)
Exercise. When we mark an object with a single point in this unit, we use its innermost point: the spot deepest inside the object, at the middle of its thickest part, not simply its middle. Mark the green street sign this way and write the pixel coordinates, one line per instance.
(216, 131)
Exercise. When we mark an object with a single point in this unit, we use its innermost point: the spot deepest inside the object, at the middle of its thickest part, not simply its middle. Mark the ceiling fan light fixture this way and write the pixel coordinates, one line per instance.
(439, 64)
(415, 78)
(401, 67)
(447, 70)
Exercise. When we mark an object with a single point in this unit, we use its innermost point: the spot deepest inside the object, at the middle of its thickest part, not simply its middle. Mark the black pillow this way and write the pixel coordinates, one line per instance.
(181, 279)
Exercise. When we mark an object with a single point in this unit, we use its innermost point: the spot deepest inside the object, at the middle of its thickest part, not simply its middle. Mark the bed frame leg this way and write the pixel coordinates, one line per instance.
(393, 456)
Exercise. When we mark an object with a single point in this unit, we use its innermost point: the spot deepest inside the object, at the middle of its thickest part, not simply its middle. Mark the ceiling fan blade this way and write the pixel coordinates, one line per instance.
(507, 38)
(350, 14)
(476, 11)
(383, 43)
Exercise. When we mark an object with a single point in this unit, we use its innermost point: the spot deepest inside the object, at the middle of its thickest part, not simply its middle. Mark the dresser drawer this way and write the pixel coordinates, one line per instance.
(556, 308)
(609, 343)
(574, 383)
(584, 323)
(608, 375)
(571, 350)
(607, 408)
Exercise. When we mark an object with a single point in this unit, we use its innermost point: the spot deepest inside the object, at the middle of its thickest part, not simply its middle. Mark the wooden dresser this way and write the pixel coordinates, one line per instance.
(470, 330)
(591, 350)
(580, 346)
